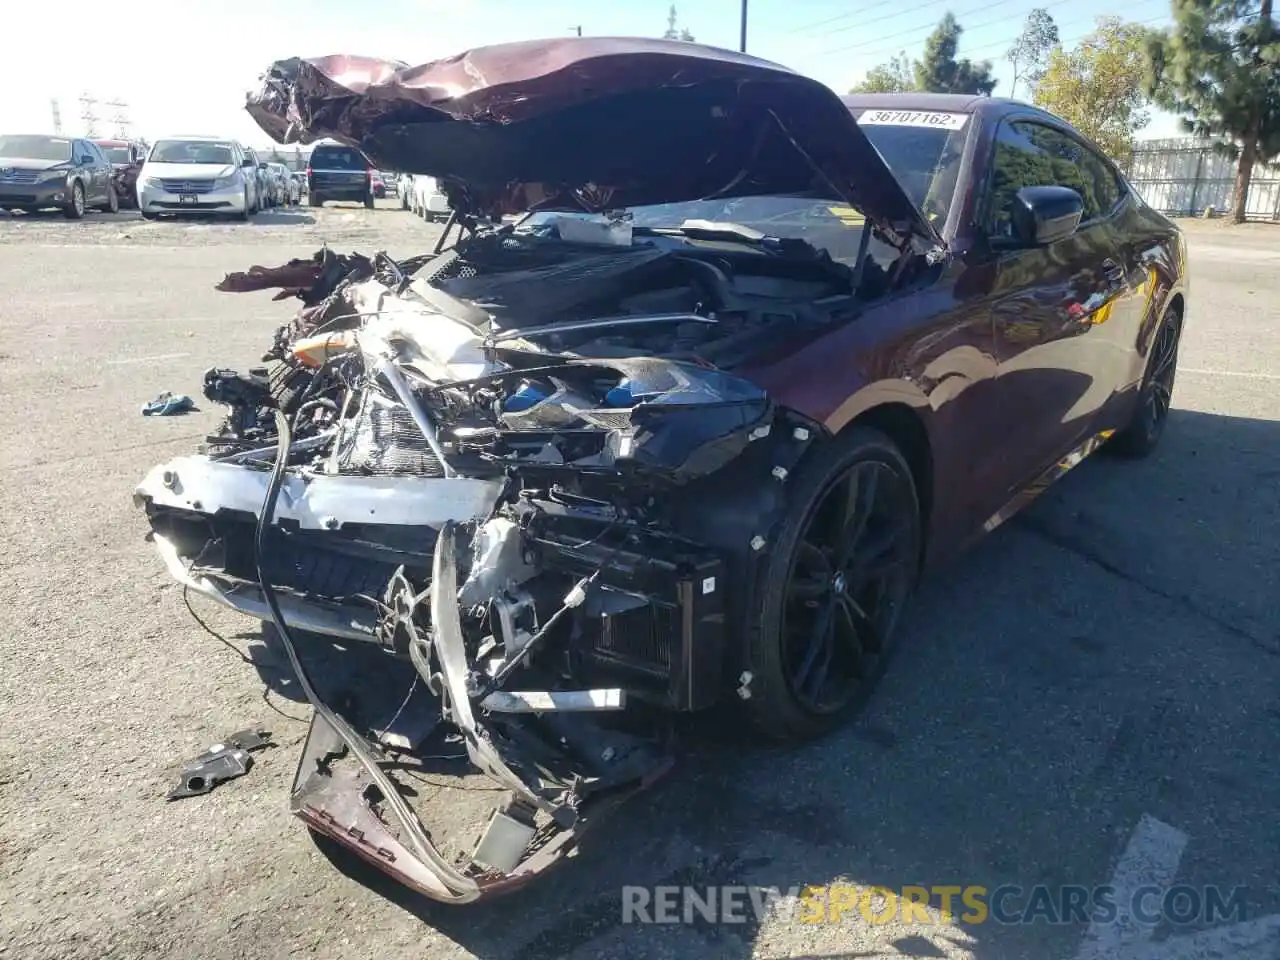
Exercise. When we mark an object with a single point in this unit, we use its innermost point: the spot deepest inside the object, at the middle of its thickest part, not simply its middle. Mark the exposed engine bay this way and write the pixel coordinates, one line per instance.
(471, 460)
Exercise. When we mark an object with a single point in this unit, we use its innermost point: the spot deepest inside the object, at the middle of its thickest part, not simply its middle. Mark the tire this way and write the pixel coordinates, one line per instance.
(243, 215)
(113, 202)
(404, 202)
(74, 209)
(314, 200)
(149, 216)
(368, 201)
(860, 621)
(1141, 435)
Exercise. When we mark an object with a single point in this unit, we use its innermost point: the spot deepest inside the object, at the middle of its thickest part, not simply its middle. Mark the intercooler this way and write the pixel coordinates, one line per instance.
(382, 440)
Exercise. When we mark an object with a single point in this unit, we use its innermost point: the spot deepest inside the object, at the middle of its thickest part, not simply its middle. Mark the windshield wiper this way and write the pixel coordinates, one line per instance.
(733, 233)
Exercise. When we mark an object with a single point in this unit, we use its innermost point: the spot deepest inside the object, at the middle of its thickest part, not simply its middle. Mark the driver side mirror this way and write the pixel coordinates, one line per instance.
(1044, 215)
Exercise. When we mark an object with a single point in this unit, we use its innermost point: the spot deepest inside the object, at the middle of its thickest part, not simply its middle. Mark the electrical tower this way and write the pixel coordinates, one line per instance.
(87, 103)
(57, 117)
(120, 118)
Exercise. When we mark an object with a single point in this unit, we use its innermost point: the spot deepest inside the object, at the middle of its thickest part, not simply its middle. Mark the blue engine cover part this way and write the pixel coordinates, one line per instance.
(525, 397)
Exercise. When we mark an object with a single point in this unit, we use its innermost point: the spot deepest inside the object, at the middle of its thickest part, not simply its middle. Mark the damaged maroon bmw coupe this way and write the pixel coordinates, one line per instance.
(680, 435)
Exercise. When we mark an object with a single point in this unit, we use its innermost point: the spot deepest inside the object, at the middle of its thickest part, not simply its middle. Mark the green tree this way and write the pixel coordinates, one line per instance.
(939, 71)
(896, 76)
(673, 32)
(1098, 87)
(1219, 67)
(1030, 52)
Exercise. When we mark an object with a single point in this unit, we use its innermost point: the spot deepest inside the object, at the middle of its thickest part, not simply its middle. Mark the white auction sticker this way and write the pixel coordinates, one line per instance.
(915, 118)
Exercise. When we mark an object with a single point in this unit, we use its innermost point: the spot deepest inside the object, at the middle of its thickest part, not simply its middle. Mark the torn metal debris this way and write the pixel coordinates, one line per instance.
(223, 761)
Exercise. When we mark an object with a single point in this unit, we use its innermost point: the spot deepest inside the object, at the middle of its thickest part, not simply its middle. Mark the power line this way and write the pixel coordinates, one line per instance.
(120, 118)
(1080, 36)
(878, 47)
(87, 103)
(836, 19)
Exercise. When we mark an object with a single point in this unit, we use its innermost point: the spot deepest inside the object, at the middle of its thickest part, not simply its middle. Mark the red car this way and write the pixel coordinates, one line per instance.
(126, 158)
(709, 365)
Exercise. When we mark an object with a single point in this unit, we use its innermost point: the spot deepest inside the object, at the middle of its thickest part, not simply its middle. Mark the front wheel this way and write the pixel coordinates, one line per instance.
(74, 209)
(1142, 434)
(113, 202)
(368, 201)
(841, 567)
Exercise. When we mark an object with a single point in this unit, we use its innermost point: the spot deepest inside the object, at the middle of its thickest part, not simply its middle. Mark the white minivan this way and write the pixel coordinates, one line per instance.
(198, 175)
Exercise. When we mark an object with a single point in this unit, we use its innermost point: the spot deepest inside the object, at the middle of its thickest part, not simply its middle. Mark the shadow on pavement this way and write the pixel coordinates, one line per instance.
(1032, 715)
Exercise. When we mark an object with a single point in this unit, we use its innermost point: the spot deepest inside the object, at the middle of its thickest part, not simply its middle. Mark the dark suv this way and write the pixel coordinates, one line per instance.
(336, 172)
(38, 171)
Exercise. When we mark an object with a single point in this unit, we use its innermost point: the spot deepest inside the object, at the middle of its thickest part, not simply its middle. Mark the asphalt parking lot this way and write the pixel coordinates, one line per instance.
(1094, 690)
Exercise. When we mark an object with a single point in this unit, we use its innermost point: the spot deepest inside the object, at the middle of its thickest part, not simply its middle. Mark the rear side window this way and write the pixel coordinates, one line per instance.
(337, 158)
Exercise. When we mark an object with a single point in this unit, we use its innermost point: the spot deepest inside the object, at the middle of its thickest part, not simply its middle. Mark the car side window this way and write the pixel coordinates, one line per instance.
(1030, 154)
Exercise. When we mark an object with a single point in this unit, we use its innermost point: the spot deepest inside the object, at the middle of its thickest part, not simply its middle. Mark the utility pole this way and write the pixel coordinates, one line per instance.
(120, 118)
(578, 29)
(742, 37)
(87, 103)
(57, 116)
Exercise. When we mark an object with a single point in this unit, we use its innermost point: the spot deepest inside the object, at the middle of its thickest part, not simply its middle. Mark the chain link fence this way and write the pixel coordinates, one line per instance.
(1185, 176)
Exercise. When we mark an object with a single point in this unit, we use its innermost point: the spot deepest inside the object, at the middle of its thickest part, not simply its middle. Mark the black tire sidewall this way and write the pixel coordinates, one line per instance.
(1137, 440)
(72, 211)
(771, 706)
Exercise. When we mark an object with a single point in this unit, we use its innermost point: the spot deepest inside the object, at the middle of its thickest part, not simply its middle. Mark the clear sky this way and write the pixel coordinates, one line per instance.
(184, 66)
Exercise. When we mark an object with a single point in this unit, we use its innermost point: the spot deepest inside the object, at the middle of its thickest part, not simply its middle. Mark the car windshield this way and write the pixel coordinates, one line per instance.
(116, 154)
(35, 148)
(191, 151)
(339, 159)
(826, 224)
(924, 159)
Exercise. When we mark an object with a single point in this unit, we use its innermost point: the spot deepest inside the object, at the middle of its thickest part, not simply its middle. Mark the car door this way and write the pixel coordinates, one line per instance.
(102, 171)
(82, 159)
(1051, 305)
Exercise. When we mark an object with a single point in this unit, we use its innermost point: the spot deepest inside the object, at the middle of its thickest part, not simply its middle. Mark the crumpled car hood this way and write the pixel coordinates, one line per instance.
(591, 124)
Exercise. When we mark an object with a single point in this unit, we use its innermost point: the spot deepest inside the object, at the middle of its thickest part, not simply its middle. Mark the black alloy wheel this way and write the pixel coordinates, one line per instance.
(845, 563)
(1155, 397)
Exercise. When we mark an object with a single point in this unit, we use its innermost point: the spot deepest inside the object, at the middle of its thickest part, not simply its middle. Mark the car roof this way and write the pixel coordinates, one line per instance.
(198, 136)
(938, 103)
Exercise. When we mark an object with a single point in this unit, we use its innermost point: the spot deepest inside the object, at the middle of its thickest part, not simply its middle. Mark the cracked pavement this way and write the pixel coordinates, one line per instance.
(1111, 653)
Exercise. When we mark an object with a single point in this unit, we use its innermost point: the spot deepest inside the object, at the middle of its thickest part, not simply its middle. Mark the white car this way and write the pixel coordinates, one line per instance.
(423, 196)
(290, 195)
(198, 175)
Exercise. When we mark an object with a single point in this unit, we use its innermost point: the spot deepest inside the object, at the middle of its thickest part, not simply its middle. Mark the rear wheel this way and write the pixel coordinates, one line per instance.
(1143, 432)
(839, 574)
(74, 209)
(368, 201)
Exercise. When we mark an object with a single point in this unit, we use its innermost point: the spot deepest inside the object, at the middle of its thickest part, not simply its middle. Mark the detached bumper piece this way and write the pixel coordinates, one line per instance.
(223, 761)
(559, 777)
